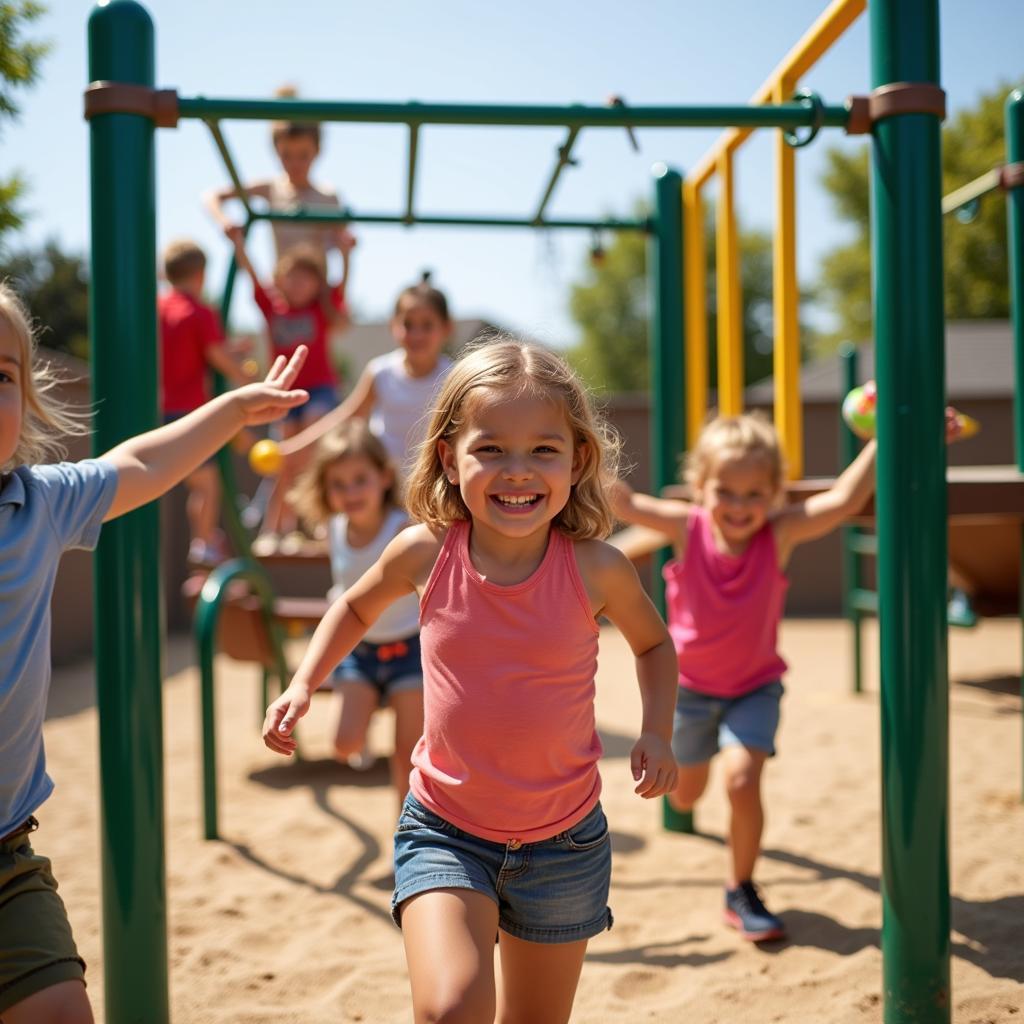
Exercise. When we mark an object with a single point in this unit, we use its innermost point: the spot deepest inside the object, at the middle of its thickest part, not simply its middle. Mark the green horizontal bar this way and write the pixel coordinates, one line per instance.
(781, 115)
(864, 601)
(864, 543)
(350, 217)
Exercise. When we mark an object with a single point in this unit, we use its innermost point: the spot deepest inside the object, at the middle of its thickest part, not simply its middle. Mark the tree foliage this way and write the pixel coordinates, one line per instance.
(55, 287)
(975, 257)
(20, 60)
(612, 307)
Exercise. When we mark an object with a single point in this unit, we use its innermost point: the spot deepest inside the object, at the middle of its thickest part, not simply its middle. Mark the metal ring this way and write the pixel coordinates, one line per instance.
(812, 101)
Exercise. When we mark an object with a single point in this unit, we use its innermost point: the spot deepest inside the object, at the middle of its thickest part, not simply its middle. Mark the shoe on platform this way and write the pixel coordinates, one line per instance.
(745, 911)
(265, 544)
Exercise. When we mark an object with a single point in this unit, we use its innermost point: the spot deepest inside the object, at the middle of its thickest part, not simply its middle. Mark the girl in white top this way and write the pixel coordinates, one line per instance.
(351, 484)
(396, 390)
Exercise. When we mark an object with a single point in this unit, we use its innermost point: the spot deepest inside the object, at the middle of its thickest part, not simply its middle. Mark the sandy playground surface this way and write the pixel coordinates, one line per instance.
(286, 919)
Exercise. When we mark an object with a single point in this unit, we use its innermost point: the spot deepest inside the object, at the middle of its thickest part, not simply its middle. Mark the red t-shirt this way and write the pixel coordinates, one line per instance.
(290, 327)
(187, 330)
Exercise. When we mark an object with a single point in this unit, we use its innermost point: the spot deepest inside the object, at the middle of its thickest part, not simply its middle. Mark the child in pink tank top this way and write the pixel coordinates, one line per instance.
(725, 591)
(502, 831)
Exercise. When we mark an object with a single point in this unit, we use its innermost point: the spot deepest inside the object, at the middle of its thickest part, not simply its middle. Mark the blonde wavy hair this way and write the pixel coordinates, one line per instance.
(44, 418)
(750, 435)
(517, 370)
(351, 440)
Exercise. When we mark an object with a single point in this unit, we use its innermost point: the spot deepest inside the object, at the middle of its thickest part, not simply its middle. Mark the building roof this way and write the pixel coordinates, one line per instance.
(979, 364)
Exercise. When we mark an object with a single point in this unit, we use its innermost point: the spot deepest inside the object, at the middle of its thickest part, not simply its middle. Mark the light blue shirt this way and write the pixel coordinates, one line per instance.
(44, 510)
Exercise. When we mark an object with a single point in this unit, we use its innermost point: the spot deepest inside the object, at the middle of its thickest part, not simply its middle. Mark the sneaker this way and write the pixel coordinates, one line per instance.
(363, 761)
(265, 544)
(292, 543)
(745, 912)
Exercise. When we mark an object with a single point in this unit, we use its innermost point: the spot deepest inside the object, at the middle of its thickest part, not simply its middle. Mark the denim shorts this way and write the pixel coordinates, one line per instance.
(390, 667)
(704, 724)
(555, 890)
(322, 399)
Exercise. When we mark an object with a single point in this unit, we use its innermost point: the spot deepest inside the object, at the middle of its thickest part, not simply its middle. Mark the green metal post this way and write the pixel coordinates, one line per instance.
(668, 371)
(1015, 214)
(851, 559)
(909, 332)
(127, 590)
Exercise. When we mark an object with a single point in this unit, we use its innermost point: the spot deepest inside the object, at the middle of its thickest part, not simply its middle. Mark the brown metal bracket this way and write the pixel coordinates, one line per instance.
(1011, 175)
(159, 105)
(890, 100)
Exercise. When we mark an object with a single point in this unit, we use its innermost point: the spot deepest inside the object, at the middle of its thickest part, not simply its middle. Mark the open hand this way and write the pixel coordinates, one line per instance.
(654, 767)
(281, 718)
(270, 399)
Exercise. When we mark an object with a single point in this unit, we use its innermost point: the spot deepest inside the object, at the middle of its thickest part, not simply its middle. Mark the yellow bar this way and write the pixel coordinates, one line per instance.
(695, 303)
(786, 306)
(730, 298)
(813, 44)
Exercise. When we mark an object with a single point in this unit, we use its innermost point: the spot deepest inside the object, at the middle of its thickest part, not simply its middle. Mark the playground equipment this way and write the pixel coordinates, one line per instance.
(902, 114)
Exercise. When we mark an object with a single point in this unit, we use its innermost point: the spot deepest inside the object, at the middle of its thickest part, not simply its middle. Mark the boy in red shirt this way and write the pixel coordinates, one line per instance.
(301, 309)
(192, 342)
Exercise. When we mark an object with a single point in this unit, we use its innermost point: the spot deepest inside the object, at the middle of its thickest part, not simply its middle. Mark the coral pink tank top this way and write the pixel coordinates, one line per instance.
(724, 611)
(509, 747)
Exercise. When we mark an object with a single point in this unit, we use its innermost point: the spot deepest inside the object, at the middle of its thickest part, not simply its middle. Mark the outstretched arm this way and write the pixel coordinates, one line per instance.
(664, 514)
(822, 513)
(152, 463)
(613, 581)
(357, 405)
(404, 564)
(215, 199)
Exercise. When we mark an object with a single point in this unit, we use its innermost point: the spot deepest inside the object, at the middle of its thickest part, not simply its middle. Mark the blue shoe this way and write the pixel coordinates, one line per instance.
(745, 912)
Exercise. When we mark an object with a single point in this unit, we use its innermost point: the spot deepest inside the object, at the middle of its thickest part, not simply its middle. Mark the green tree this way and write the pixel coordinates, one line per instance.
(974, 254)
(612, 307)
(55, 287)
(19, 68)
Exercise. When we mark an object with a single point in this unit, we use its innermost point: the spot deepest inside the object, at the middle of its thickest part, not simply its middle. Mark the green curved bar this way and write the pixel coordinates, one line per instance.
(204, 625)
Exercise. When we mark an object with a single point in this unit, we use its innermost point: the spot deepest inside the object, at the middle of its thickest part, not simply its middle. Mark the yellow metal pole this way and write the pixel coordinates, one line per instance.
(786, 351)
(695, 285)
(730, 299)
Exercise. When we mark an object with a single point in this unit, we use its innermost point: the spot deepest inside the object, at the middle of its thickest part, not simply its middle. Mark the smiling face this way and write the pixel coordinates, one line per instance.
(11, 392)
(514, 460)
(738, 492)
(420, 329)
(355, 486)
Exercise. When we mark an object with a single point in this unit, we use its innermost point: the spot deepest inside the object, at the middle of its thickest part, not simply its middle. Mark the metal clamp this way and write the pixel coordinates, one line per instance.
(813, 102)
(1011, 175)
(159, 105)
(892, 99)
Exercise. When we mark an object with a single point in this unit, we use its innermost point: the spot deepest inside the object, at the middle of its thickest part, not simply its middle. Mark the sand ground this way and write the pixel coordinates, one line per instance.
(286, 919)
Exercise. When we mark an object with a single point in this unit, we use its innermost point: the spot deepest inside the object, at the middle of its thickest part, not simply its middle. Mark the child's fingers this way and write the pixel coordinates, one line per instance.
(275, 370)
(286, 376)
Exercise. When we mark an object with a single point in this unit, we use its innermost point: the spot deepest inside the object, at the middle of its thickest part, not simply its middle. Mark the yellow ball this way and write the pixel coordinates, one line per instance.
(250, 367)
(265, 458)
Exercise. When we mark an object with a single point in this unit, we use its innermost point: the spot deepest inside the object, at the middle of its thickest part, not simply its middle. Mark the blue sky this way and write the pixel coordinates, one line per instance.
(650, 51)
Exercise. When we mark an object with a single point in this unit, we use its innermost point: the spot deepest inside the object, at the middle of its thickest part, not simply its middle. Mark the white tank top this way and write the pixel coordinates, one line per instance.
(285, 198)
(402, 619)
(402, 404)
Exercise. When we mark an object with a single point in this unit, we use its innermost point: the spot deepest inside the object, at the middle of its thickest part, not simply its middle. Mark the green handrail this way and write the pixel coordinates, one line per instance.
(207, 616)
(347, 216)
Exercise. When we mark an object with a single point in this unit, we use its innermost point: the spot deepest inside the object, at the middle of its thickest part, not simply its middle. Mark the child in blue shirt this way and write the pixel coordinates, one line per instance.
(44, 510)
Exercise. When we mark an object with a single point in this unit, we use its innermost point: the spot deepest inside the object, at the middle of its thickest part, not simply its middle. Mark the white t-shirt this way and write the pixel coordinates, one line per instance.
(402, 405)
(286, 198)
(400, 620)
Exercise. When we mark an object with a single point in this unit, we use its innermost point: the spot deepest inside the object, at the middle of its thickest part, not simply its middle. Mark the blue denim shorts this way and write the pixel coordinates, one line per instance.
(389, 667)
(322, 399)
(552, 891)
(704, 724)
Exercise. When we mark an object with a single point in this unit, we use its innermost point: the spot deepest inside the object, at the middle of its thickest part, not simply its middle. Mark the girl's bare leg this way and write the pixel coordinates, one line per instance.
(743, 767)
(354, 703)
(692, 780)
(538, 980)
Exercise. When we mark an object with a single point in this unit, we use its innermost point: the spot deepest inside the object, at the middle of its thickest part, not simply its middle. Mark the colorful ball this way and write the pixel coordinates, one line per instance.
(265, 458)
(251, 368)
(859, 410)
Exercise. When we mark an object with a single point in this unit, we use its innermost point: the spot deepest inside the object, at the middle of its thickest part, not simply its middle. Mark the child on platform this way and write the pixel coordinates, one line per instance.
(725, 590)
(191, 344)
(395, 390)
(502, 832)
(45, 510)
(351, 486)
(300, 309)
(297, 145)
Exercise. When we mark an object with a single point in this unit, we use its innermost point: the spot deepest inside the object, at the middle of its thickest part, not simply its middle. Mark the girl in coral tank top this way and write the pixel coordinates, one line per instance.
(502, 831)
(725, 590)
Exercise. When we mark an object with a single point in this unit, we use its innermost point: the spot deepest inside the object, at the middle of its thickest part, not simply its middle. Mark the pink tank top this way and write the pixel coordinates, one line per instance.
(724, 611)
(510, 746)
